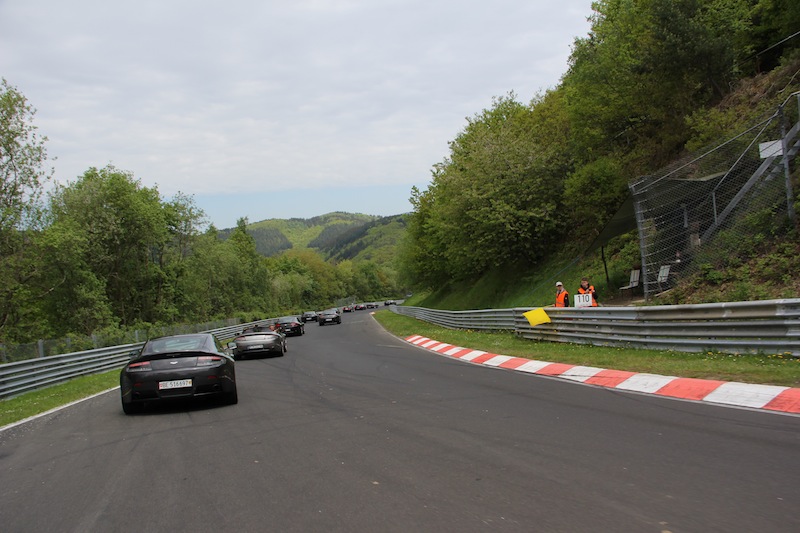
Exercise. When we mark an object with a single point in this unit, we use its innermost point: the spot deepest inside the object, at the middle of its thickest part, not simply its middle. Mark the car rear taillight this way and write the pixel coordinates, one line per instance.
(143, 366)
(205, 360)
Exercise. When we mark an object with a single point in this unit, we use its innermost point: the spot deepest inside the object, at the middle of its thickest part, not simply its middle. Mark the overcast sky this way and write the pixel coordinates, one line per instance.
(276, 109)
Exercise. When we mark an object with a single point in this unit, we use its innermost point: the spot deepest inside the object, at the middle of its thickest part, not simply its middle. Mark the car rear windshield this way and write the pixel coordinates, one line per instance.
(188, 343)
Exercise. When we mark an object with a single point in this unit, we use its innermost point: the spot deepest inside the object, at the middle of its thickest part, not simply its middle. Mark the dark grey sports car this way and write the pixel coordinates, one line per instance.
(258, 343)
(179, 366)
(329, 316)
(291, 325)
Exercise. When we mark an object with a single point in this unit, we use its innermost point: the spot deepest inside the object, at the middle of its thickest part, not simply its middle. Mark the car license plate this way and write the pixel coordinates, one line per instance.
(174, 384)
(256, 347)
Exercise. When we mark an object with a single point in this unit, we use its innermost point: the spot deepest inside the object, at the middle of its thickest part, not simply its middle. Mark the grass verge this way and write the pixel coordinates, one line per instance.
(35, 402)
(764, 369)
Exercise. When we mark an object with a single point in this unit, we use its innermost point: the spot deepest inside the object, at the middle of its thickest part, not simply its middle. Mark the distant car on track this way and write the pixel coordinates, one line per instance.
(175, 367)
(309, 315)
(258, 343)
(347, 309)
(291, 325)
(329, 316)
(360, 307)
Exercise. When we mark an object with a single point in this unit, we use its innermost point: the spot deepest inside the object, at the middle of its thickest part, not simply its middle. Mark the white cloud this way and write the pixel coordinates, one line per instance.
(210, 97)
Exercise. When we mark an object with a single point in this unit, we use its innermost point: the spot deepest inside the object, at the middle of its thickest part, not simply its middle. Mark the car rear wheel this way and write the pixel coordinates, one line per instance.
(232, 397)
(131, 408)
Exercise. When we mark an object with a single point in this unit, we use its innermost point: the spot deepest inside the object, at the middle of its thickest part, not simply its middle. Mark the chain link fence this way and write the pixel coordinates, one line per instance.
(723, 201)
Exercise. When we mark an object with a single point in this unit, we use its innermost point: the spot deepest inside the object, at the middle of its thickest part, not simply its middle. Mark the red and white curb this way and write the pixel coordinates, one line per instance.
(769, 397)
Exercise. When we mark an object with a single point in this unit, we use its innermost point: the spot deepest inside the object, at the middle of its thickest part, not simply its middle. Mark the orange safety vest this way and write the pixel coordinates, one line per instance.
(590, 290)
(562, 299)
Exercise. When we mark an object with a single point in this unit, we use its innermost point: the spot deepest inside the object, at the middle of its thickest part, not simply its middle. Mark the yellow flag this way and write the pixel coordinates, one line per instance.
(536, 316)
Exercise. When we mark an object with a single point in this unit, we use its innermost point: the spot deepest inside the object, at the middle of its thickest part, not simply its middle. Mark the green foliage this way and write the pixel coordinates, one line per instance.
(773, 23)
(534, 286)
(269, 241)
(330, 236)
(22, 178)
(300, 232)
(375, 241)
(421, 255)
(710, 274)
(22, 156)
(645, 66)
(297, 247)
(751, 102)
(121, 228)
(533, 185)
(491, 204)
(594, 191)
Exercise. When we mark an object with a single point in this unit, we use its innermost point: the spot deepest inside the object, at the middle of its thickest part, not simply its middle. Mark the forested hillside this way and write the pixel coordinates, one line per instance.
(527, 186)
(322, 232)
(375, 241)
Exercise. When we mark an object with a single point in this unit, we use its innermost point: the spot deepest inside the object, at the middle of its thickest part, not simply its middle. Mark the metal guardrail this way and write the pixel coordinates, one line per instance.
(485, 319)
(769, 326)
(30, 374)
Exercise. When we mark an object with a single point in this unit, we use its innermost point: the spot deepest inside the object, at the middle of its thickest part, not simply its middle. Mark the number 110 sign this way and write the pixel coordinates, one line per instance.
(583, 300)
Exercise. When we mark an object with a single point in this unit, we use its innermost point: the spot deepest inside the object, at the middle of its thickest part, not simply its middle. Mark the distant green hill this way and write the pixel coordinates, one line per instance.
(375, 241)
(337, 236)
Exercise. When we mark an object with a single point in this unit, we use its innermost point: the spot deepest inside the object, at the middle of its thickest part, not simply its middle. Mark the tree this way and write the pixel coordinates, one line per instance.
(184, 220)
(494, 202)
(207, 288)
(644, 67)
(75, 299)
(773, 32)
(123, 228)
(22, 177)
(22, 156)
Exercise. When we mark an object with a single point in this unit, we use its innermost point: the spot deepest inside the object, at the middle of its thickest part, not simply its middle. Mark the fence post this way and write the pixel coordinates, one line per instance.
(639, 212)
(786, 170)
(40, 345)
